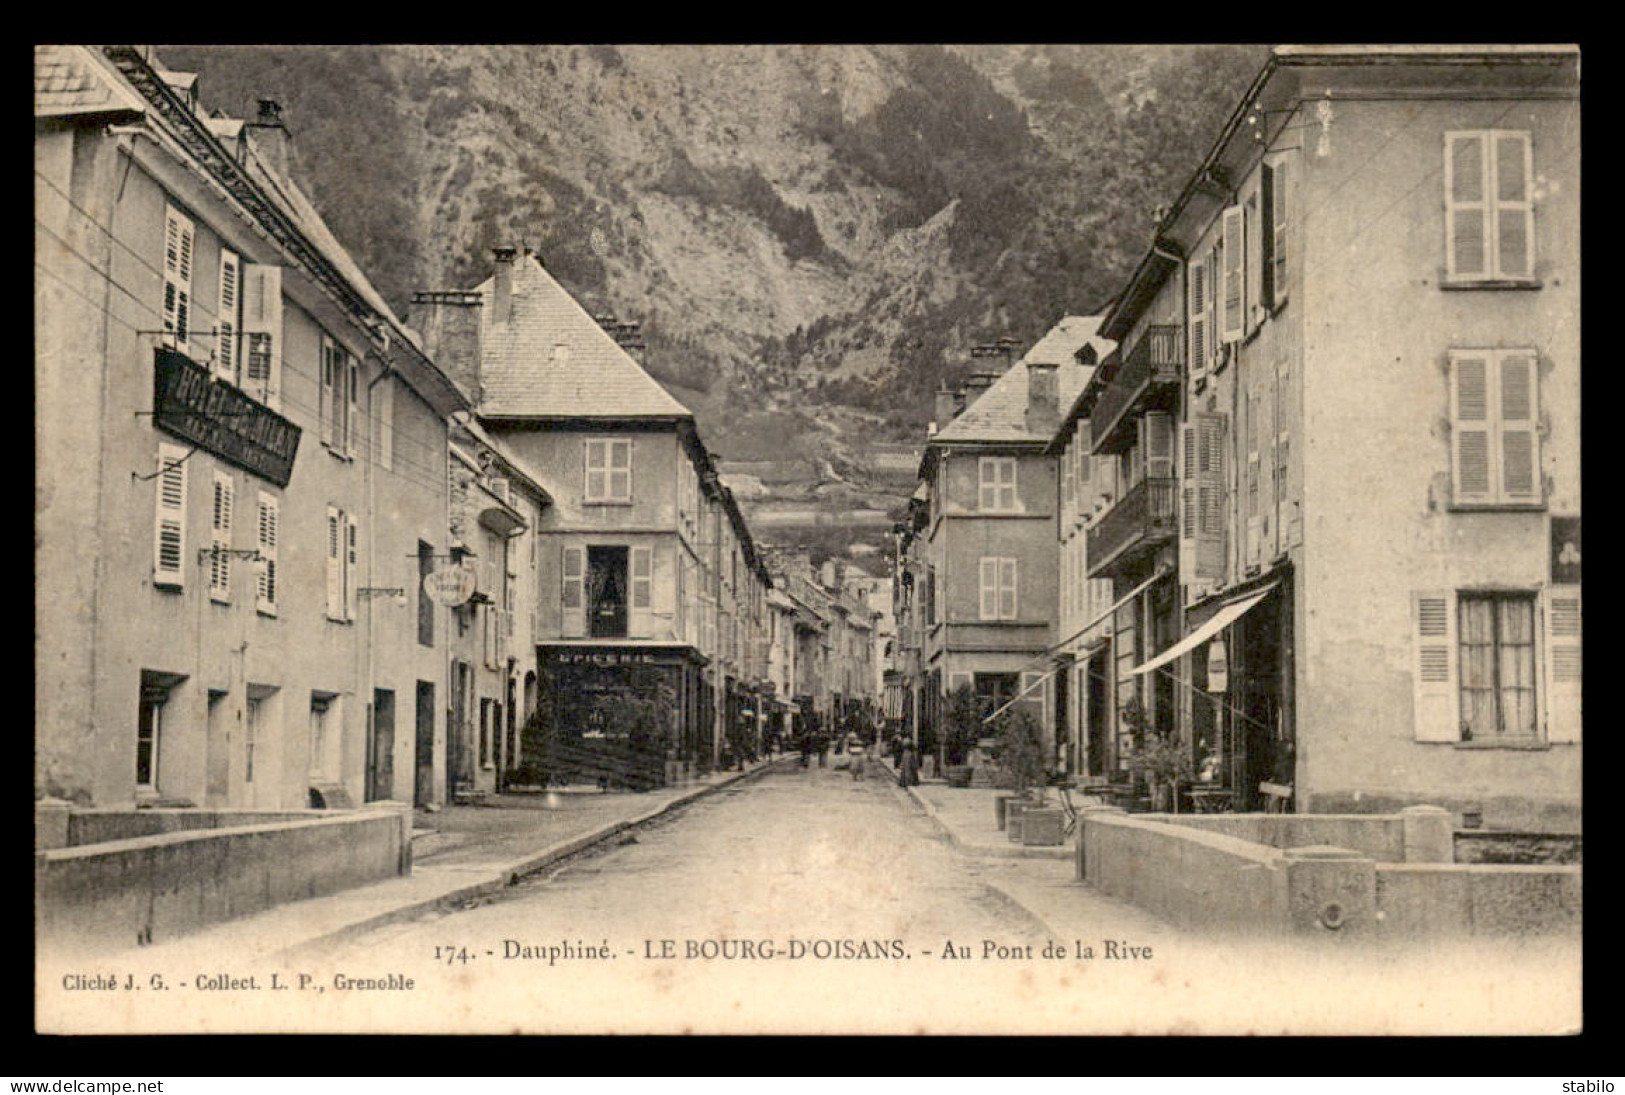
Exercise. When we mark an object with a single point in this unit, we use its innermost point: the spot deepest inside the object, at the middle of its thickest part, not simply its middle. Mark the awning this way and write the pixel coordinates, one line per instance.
(1222, 619)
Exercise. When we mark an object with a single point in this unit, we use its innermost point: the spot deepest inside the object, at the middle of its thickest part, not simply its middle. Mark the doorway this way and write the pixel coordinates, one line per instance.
(217, 789)
(1099, 715)
(381, 756)
(606, 592)
(423, 760)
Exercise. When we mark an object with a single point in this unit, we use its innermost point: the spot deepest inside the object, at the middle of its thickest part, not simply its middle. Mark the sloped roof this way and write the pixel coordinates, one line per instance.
(71, 80)
(1001, 412)
(552, 359)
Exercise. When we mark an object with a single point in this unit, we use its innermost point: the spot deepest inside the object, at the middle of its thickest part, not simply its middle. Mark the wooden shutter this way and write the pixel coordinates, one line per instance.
(352, 565)
(1068, 486)
(597, 475)
(1563, 664)
(1514, 223)
(573, 598)
(1466, 195)
(1196, 301)
(1210, 522)
(178, 246)
(491, 620)
(225, 355)
(352, 404)
(327, 391)
(1036, 697)
(1188, 482)
(335, 564)
(640, 614)
(1253, 229)
(989, 587)
(386, 423)
(262, 331)
(1007, 589)
(265, 570)
(1433, 629)
(169, 532)
(1472, 453)
(1519, 448)
(1158, 438)
(220, 538)
(620, 471)
(1254, 486)
(1279, 177)
(1233, 303)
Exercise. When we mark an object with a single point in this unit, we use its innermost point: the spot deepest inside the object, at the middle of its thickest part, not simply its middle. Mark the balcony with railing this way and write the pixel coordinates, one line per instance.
(1144, 519)
(1148, 379)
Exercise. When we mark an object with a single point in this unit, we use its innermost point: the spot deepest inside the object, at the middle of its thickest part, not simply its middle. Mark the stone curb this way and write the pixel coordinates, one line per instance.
(530, 864)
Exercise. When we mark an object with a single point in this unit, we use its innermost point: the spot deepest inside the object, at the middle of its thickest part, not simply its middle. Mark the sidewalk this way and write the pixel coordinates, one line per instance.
(1041, 880)
(460, 853)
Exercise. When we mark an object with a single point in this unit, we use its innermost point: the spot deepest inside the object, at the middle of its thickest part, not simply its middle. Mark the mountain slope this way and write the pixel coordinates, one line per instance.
(811, 236)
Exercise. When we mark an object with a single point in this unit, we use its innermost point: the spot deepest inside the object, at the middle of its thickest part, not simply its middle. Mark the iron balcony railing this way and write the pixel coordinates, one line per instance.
(1144, 518)
(1154, 363)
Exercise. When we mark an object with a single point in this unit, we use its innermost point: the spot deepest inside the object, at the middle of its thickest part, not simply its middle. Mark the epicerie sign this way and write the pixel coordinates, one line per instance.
(604, 657)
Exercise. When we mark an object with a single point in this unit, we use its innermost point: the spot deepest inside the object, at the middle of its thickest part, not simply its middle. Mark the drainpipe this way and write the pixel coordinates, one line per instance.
(369, 481)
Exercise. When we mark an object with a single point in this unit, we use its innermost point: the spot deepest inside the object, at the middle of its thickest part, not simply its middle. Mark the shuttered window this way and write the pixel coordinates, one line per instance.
(1253, 229)
(178, 247)
(220, 538)
(609, 470)
(1275, 195)
(997, 588)
(996, 480)
(352, 565)
(1433, 669)
(169, 532)
(1494, 418)
(226, 321)
(1489, 207)
(1196, 301)
(1563, 664)
(262, 333)
(1210, 496)
(265, 576)
(1157, 441)
(1233, 315)
(573, 599)
(1496, 634)
(642, 599)
(335, 563)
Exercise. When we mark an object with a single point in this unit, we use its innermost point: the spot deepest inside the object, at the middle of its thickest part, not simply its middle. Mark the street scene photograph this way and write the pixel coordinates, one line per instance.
(807, 539)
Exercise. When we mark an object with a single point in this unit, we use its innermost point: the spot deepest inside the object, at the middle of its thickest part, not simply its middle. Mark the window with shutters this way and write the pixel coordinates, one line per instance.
(1274, 196)
(1253, 231)
(573, 594)
(1210, 496)
(385, 395)
(169, 533)
(1563, 664)
(996, 484)
(1157, 444)
(1232, 322)
(178, 247)
(1496, 635)
(1489, 208)
(1494, 428)
(340, 389)
(609, 471)
(1196, 315)
(998, 588)
(343, 567)
(226, 318)
(642, 625)
(220, 538)
(265, 573)
(262, 333)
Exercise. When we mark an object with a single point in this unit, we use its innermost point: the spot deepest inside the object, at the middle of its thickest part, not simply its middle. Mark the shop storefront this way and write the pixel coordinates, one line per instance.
(620, 716)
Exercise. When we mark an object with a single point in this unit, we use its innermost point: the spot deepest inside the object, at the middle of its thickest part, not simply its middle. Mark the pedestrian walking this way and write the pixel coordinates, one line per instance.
(908, 774)
(857, 753)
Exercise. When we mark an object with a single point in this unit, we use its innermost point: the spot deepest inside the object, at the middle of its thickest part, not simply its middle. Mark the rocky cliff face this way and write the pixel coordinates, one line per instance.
(811, 236)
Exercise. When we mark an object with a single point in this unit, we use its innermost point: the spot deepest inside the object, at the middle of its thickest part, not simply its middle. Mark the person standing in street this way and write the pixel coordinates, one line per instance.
(908, 774)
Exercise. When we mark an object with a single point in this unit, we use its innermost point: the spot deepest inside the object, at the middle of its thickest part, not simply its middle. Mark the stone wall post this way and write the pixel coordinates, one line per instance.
(51, 823)
(1084, 814)
(1330, 889)
(1429, 835)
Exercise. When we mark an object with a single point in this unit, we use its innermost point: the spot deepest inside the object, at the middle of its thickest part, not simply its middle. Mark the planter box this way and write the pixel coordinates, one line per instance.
(1015, 817)
(1042, 826)
(959, 775)
(1001, 805)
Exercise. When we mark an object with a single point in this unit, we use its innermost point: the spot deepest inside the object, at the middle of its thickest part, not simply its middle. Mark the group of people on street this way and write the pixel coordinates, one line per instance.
(905, 758)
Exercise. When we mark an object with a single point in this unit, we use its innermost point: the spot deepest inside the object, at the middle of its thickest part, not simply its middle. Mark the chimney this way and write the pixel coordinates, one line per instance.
(975, 385)
(270, 139)
(1043, 397)
(449, 323)
(502, 302)
(945, 408)
(829, 577)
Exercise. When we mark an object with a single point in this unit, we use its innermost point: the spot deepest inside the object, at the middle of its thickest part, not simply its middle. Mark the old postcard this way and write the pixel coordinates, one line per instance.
(821, 539)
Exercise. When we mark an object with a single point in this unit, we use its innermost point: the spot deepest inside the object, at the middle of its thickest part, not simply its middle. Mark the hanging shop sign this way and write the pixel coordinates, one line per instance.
(189, 404)
(1218, 666)
(450, 586)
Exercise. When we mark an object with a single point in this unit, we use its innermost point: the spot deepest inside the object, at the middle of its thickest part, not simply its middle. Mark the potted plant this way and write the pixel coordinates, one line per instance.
(962, 725)
(1159, 759)
(1019, 745)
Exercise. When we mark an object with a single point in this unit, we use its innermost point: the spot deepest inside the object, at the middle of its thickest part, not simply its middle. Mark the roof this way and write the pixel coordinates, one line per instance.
(552, 359)
(72, 80)
(1001, 412)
